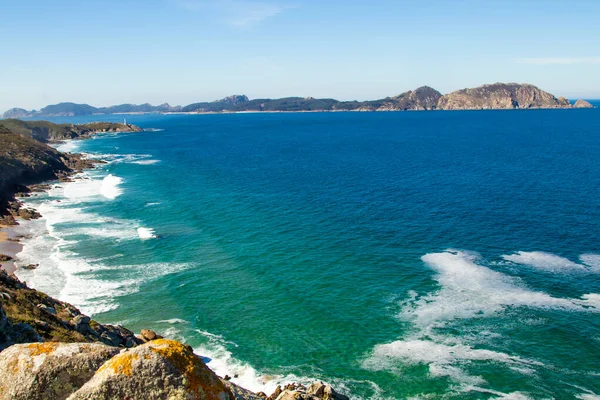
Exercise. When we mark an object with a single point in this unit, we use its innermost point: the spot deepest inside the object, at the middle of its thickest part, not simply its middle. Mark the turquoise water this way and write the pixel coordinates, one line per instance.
(395, 255)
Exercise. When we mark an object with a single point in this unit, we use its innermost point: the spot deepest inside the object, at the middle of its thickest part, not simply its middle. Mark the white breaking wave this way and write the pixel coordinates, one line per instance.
(84, 187)
(146, 233)
(174, 321)
(110, 187)
(243, 374)
(545, 262)
(69, 146)
(146, 162)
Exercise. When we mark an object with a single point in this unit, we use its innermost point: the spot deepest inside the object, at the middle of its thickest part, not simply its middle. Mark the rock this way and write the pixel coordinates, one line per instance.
(240, 393)
(291, 395)
(317, 389)
(30, 266)
(501, 96)
(110, 338)
(4, 258)
(582, 104)
(161, 369)
(28, 213)
(46, 308)
(50, 370)
(276, 393)
(149, 335)
(82, 324)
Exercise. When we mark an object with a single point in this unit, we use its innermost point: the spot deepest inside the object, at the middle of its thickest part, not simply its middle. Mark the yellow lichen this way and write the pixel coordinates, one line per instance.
(36, 349)
(196, 374)
(120, 364)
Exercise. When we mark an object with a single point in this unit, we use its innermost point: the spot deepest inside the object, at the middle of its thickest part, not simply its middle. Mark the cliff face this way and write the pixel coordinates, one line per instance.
(501, 96)
(24, 160)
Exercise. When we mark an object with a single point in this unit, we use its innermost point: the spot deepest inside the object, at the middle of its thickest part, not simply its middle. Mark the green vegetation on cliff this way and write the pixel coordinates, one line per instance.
(45, 131)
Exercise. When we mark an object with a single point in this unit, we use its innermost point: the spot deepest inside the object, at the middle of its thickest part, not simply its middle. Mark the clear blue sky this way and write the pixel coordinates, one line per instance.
(182, 51)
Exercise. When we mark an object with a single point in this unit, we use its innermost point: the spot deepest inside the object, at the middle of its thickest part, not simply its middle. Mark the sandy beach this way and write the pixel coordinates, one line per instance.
(8, 247)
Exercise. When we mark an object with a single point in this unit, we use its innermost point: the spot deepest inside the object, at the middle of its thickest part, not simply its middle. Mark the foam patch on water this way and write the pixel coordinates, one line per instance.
(173, 321)
(443, 360)
(467, 290)
(592, 261)
(146, 162)
(545, 261)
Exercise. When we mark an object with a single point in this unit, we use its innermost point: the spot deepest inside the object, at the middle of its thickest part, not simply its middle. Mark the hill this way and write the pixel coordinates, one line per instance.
(486, 97)
(45, 131)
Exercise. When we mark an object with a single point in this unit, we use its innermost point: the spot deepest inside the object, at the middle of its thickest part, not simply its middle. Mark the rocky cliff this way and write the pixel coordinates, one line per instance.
(501, 96)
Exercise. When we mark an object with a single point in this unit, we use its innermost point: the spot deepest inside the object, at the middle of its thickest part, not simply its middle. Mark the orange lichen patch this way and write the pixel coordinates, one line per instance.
(36, 349)
(120, 364)
(197, 375)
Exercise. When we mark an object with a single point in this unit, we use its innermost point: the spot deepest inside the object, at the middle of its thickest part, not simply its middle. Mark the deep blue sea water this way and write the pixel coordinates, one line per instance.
(395, 255)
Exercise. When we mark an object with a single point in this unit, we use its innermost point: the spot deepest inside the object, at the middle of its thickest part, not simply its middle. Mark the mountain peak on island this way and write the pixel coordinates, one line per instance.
(234, 99)
(501, 96)
(486, 97)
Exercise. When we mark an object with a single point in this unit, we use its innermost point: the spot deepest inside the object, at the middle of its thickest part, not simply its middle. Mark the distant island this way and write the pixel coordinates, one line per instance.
(487, 97)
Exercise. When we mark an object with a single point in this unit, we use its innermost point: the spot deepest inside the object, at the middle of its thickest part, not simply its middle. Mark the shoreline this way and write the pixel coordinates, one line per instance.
(10, 246)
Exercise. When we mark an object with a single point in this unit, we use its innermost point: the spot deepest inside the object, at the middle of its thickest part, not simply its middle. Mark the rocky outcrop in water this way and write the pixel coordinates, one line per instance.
(501, 96)
(582, 104)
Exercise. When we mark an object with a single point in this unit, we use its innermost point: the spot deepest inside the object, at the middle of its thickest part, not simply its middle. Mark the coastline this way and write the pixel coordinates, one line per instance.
(15, 238)
(10, 246)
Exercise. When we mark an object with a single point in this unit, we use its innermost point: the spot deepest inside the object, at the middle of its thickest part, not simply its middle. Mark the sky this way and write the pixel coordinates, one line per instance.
(105, 52)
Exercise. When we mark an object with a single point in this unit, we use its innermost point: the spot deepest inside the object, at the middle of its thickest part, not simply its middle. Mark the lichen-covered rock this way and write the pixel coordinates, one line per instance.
(49, 371)
(161, 369)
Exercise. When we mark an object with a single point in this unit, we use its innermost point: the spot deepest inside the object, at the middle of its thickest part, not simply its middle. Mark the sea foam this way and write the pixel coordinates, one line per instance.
(467, 290)
(545, 261)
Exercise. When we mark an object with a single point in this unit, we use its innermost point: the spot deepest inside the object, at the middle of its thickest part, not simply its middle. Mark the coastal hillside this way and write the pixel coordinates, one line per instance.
(495, 96)
(45, 131)
(74, 109)
(24, 160)
(501, 96)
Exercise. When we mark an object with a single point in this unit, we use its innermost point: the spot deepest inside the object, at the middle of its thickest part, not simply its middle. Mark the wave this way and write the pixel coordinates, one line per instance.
(545, 261)
(153, 130)
(146, 233)
(222, 362)
(145, 162)
(110, 187)
(467, 290)
(173, 321)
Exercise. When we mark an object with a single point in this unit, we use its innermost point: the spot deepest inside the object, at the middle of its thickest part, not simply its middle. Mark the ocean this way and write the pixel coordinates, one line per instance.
(406, 255)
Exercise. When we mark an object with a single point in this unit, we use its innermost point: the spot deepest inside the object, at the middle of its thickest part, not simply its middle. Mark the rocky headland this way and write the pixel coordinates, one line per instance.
(26, 158)
(487, 97)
